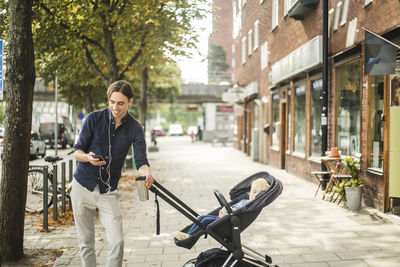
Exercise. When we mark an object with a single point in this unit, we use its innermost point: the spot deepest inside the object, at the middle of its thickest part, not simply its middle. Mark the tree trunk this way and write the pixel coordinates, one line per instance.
(19, 95)
(89, 107)
(144, 75)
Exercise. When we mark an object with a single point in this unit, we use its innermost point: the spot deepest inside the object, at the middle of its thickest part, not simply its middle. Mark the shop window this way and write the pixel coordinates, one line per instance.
(276, 124)
(376, 112)
(316, 109)
(348, 133)
(300, 119)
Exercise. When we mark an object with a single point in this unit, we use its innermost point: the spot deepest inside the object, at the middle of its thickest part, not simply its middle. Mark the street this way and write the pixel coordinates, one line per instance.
(49, 152)
(295, 230)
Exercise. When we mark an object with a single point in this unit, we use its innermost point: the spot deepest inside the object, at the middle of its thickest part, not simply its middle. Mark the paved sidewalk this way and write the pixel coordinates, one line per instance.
(295, 230)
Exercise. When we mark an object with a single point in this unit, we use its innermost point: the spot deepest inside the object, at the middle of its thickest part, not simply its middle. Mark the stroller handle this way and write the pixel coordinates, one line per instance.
(222, 201)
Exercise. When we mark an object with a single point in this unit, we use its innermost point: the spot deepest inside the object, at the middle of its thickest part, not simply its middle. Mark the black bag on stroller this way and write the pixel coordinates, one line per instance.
(226, 230)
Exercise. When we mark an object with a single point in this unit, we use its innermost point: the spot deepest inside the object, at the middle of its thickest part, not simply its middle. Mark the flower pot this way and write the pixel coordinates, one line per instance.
(353, 196)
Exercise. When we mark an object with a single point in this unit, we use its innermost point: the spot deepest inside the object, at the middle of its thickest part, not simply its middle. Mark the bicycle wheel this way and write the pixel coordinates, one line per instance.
(34, 194)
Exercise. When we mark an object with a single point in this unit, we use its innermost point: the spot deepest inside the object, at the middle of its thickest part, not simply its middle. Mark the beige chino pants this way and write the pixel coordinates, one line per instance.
(84, 205)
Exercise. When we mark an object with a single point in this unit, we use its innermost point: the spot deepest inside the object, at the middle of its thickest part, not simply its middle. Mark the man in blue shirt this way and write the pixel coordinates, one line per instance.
(103, 144)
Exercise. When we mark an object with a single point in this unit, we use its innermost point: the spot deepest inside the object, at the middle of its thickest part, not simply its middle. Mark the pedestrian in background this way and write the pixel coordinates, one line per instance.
(199, 134)
(103, 144)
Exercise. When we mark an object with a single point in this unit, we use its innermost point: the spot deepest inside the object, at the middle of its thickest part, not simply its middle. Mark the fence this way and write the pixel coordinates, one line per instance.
(60, 192)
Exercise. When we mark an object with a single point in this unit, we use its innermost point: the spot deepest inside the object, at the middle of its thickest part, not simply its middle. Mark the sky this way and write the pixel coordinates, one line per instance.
(193, 69)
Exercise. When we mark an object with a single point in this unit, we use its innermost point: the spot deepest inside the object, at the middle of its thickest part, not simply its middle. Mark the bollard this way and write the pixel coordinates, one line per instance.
(70, 170)
(71, 162)
(55, 215)
(45, 197)
(63, 187)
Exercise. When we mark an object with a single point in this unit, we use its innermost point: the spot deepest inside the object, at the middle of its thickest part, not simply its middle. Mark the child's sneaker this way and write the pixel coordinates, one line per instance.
(181, 235)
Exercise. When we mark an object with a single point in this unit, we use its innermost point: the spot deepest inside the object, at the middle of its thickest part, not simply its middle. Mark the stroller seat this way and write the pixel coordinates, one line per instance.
(226, 230)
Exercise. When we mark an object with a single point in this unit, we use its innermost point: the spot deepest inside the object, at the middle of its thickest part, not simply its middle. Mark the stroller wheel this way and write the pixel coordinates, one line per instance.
(190, 263)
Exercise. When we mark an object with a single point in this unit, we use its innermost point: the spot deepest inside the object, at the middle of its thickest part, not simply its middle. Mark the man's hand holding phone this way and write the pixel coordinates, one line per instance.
(96, 160)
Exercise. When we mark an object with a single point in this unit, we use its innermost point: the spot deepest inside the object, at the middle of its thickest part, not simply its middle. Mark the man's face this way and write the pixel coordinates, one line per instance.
(119, 104)
(396, 96)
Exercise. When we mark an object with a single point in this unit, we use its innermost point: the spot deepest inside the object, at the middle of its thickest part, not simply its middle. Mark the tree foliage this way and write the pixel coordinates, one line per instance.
(98, 42)
(217, 65)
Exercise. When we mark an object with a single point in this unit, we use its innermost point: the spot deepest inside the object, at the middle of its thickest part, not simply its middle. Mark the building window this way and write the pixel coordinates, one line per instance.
(264, 55)
(274, 14)
(276, 124)
(255, 35)
(300, 119)
(244, 50)
(376, 112)
(345, 12)
(337, 16)
(249, 39)
(367, 2)
(348, 87)
(286, 4)
(316, 109)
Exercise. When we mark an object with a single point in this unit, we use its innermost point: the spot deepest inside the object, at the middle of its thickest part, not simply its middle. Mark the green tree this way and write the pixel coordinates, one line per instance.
(19, 95)
(217, 65)
(110, 39)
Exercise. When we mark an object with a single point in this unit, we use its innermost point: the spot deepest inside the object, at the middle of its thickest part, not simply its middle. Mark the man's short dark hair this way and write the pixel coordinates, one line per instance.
(122, 87)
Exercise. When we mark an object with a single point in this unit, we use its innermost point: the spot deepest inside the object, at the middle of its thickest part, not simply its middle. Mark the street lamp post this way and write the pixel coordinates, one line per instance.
(325, 78)
(56, 120)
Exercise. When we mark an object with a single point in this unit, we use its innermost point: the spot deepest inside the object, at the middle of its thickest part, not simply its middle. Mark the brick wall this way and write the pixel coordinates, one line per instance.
(379, 16)
(222, 29)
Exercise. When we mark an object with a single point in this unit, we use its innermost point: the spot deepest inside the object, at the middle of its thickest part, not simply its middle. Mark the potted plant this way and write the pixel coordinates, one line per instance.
(351, 190)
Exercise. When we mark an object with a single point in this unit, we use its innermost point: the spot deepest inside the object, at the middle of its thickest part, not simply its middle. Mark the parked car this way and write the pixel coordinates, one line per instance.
(37, 146)
(175, 129)
(159, 131)
(65, 132)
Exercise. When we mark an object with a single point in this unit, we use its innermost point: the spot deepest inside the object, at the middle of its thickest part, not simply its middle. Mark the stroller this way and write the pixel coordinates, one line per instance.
(226, 230)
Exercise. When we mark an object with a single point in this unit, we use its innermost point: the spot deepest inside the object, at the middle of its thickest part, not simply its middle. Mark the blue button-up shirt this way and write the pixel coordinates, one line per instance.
(99, 136)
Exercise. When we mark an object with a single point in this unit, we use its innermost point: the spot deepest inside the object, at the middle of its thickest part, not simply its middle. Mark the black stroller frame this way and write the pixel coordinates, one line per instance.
(228, 237)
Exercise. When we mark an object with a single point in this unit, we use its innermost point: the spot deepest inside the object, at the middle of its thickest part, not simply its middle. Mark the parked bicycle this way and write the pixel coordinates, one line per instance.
(35, 189)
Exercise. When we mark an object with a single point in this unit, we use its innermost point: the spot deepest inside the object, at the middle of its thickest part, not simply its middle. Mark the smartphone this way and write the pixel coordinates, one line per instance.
(98, 157)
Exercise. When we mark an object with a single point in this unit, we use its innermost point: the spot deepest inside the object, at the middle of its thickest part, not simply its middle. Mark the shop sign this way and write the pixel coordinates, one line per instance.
(300, 90)
(316, 85)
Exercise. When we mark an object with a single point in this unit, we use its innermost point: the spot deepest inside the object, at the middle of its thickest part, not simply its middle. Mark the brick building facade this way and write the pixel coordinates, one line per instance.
(278, 83)
(221, 35)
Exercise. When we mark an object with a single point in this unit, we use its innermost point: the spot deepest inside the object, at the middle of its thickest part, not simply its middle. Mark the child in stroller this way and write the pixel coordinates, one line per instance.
(257, 186)
(226, 230)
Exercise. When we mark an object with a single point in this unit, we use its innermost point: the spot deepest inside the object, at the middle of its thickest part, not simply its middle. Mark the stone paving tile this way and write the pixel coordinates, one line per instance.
(352, 255)
(289, 259)
(301, 250)
(320, 257)
(386, 262)
(384, 253)
(349, 263)
(311, 264)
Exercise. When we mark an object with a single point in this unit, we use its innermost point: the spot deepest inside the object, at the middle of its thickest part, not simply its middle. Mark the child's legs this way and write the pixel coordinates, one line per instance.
(204, 219)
